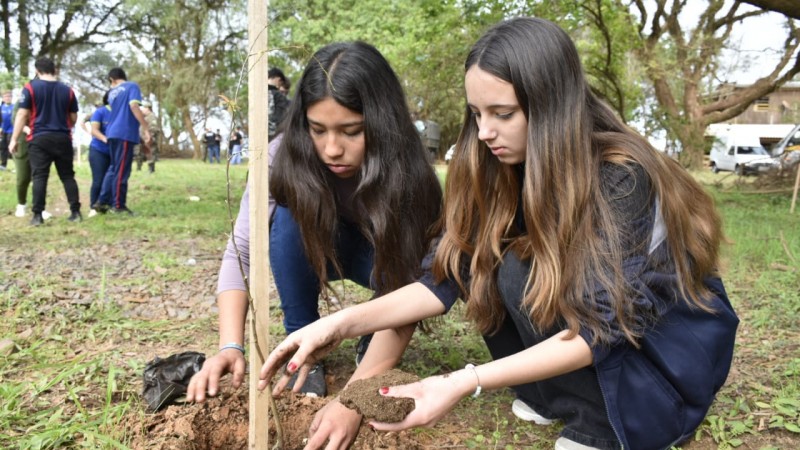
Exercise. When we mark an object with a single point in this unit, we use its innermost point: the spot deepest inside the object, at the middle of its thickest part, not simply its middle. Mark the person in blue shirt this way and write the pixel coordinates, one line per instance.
(122, 134)
(49, 108)
(587, 259)
(6, 113)
(99, 153)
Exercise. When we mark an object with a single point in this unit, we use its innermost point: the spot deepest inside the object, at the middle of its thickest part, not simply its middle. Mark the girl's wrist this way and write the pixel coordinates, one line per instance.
(232, 346)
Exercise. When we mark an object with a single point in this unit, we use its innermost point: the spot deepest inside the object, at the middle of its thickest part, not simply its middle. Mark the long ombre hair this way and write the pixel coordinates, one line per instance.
(398, 196)
(570, 235)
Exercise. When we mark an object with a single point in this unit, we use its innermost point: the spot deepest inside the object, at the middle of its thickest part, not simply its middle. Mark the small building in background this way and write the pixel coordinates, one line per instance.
(770, 117)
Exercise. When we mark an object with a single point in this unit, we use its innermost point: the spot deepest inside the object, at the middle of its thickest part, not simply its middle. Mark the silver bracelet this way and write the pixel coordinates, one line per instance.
(478, 388)
(232, 345)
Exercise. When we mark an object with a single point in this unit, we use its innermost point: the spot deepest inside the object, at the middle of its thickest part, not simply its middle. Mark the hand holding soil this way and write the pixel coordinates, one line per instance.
(363, 396)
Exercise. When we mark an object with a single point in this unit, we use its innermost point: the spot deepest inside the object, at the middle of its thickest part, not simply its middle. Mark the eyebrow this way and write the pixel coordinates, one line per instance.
(339, 125)
(496, 106)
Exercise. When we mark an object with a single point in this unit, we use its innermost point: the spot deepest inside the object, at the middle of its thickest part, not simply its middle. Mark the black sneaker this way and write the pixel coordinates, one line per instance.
(75, 216)
(37, 220)
(102, 208)
(123, 210)
(361, 348)
(315, 385)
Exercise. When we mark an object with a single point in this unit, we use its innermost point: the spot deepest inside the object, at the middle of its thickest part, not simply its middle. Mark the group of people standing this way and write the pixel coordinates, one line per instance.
(587, 260)
(212, 140)
(41, 135)
(117, 127)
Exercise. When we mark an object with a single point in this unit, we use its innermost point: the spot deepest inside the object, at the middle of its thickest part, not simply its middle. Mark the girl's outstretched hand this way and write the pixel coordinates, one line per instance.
(434, 397)
(301, 349)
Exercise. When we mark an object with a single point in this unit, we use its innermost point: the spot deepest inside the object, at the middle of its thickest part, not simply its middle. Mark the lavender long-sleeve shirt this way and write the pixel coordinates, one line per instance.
(230, 276)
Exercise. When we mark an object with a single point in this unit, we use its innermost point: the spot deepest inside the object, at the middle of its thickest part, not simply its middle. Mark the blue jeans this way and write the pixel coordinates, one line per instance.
(574, 397)
(99, 162)
(213, 152)
(236, 154)
(298, 285)
(115, 184)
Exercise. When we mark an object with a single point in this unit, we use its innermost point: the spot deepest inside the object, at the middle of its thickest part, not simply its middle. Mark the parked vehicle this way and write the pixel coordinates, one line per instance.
(449, 155)
(742, 154)
(430, 133)
(788, 149)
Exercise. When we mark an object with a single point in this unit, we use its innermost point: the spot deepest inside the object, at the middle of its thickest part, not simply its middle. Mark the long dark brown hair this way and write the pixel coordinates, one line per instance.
(398, 196)
(571, 238)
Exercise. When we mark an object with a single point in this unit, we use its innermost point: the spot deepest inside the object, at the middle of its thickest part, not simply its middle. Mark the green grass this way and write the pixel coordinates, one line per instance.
(75, 378)
(161, 202)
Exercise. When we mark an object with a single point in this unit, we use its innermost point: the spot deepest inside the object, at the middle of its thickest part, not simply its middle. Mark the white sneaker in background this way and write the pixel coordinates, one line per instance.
(526, 413)
(46, 215)
(20, 212)
(563, 443)
(92, 213)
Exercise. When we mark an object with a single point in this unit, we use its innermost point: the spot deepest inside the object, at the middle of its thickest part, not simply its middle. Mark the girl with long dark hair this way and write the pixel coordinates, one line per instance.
(353, 196)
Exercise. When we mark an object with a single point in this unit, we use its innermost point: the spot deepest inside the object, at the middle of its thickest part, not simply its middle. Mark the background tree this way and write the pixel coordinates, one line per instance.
(425, 41)
(53, 27)
(683, 65)
(189, 52)
(789, 8)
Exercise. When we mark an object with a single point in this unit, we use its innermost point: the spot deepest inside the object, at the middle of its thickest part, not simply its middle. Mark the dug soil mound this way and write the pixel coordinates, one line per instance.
(222, 423)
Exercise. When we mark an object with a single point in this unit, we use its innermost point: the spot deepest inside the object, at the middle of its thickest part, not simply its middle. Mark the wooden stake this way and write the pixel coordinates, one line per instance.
(258, 320)
(796, 187)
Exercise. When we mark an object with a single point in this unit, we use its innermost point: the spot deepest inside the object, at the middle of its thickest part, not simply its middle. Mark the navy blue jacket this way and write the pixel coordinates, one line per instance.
(685, 355)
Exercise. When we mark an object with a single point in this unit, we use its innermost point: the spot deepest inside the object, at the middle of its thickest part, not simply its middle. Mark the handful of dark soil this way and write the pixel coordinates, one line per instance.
(363, 396)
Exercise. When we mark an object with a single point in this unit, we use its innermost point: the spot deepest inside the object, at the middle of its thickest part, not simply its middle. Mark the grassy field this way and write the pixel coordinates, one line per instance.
(85, 306)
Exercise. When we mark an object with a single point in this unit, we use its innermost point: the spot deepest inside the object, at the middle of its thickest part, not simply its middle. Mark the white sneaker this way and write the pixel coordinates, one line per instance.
(92, 213)
(46, 215)
(526, 413)
(563, 443)
(20, 212)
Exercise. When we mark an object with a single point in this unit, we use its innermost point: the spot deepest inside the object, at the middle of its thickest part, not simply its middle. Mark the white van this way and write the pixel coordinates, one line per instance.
(742, 154)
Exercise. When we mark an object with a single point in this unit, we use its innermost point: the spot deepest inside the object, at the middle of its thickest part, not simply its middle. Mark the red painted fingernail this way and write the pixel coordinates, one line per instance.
(292, 367)
(384, 390)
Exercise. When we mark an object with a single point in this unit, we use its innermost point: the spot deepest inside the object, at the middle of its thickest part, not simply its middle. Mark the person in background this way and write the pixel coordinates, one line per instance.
(235, 146)
(124, 124)
(99, 152)
(149, 149)
(49, 108)
(217, 145)
(212, 146)
(586, 258)
(351, 197)
(278, 104)
(23, 169)
(285, 87)
(7, 128)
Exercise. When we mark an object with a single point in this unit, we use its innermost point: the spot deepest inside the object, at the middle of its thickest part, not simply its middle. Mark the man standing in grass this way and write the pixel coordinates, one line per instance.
(49, 108)
(123, 134)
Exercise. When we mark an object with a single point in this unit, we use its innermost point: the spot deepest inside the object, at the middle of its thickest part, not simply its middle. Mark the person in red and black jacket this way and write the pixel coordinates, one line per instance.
(49, 108)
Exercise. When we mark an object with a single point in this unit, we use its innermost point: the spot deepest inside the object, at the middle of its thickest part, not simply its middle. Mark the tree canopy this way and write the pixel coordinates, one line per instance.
(652, 62)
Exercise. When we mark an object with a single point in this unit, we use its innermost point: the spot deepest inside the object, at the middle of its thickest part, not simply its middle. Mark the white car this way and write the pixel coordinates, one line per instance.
(741, 154)
(449, 155)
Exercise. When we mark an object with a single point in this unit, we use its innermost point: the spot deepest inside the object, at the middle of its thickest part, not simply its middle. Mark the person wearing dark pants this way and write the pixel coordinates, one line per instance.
(43, 151)
(49, 108)
(123, 134)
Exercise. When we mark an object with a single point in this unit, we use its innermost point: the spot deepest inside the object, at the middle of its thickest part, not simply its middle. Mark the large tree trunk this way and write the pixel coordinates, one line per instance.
(5, 14)
(24, 41)
(189, 128)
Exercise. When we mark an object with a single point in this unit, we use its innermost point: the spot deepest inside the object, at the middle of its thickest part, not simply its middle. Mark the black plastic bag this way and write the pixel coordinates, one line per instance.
(165, 380)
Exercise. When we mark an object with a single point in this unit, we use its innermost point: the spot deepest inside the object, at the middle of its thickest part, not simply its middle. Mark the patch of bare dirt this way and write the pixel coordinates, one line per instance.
(222, 423)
